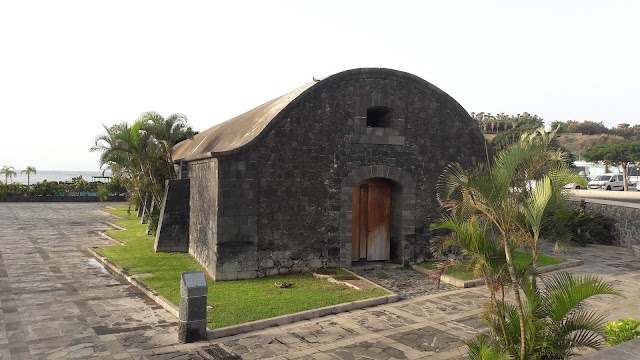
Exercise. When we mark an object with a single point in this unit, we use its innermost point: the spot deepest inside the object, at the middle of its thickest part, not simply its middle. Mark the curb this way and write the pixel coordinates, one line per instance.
(303, 315)
(115, 269)
(371, 282)
(104, 235)
(477, 282)
(110, 214)
(116, 227)
(332, 279)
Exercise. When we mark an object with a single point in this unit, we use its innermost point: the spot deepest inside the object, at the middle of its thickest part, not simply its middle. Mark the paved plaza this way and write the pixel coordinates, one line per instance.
(58, 303)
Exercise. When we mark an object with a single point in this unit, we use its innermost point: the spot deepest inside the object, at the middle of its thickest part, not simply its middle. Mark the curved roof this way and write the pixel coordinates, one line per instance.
(236, 133)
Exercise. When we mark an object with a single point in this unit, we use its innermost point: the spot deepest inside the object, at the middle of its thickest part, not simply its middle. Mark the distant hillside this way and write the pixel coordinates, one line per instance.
(577, 143)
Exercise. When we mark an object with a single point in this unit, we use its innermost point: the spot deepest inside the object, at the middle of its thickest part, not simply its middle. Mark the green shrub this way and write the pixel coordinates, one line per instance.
(588, 227)
(103, 193)
(53, 188)
(622, 330)
(154, 219)
(45, 188)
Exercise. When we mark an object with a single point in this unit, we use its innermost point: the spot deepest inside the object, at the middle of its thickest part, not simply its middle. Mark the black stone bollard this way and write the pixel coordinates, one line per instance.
(193, 307)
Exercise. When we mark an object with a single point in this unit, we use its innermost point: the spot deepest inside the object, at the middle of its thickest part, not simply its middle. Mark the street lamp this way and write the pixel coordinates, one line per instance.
(547, 131)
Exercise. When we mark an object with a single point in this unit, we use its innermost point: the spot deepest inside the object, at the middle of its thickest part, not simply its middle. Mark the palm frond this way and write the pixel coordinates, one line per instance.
(564, 292)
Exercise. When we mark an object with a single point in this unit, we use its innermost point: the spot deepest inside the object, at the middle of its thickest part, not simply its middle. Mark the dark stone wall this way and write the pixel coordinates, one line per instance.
(280, 198)
(203, 214)
(627, 220)
(173, 225)
(237, 218)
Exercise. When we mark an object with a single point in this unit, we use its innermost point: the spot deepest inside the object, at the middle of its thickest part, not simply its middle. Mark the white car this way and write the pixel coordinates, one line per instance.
(608, 182)
(579, 186)
(573, 186)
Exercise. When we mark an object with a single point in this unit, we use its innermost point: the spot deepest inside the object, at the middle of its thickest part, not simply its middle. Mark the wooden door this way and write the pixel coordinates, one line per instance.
(371, 221)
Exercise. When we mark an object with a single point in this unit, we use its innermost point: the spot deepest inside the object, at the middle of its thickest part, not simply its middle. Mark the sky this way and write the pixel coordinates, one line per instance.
(69, 67)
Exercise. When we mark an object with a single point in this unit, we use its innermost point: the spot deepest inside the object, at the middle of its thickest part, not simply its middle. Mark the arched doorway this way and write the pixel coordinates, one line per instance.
(402, 212)
(371, 222)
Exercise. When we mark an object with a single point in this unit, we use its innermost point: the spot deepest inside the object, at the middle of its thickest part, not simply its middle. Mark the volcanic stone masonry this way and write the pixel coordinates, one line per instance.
(275, 190)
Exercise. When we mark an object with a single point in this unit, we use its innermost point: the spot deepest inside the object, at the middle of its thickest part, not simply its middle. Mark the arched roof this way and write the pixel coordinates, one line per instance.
(236, 133)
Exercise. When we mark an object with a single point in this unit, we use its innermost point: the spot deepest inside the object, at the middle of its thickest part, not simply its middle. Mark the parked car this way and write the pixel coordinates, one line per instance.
(608, 182)
(573, 186)
(576, 185)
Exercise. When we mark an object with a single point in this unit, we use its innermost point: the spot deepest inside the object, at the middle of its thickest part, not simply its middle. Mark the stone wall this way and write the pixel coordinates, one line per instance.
(237, 218)
(173, 225)
(281, 198)
(626, 216)
(304, 160)
(203, 214)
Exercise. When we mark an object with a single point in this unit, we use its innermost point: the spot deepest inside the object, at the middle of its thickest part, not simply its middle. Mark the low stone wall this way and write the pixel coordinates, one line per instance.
(58, 198)
(627, 350)
(626, 216)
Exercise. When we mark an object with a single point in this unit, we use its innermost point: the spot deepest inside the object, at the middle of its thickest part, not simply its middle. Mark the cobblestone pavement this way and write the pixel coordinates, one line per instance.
(407, 283)
(56, 303)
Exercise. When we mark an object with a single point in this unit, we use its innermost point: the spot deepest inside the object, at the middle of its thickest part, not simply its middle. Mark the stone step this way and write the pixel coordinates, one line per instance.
(376, 266)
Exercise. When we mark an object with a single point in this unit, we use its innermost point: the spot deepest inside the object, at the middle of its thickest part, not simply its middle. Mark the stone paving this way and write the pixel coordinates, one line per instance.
(55, 302)
(407, 283)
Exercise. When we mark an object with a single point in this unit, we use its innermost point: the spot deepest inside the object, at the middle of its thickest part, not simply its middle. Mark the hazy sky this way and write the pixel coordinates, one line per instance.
(66, 67)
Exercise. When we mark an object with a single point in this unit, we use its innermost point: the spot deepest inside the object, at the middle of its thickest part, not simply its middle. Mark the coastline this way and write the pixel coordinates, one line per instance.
(54, 175)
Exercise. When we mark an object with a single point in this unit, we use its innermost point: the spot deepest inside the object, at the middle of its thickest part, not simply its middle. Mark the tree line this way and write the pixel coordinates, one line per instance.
(592, 141)
(9, 172)
(499, 123)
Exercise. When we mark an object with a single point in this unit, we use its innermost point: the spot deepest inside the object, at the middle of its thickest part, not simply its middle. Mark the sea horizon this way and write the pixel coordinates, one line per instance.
(54, 175)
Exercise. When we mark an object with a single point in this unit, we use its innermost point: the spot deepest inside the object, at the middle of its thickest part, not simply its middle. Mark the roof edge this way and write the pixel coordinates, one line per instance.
(358, 73)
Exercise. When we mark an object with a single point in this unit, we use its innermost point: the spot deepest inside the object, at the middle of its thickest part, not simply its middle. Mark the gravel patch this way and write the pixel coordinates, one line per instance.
(405, 282)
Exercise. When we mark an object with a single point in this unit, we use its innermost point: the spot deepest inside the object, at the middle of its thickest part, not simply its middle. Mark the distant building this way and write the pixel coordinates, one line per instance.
(338, 171)
(594, 169)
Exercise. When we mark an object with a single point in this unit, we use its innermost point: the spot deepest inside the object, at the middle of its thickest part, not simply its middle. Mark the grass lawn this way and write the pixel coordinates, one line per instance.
(233, 302)
(462, 271)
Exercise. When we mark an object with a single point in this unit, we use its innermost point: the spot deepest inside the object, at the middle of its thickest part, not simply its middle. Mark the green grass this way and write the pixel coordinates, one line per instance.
(233, 302)
(462, 271)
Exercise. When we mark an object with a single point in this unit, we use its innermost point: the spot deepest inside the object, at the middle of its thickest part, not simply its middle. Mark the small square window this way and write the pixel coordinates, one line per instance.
(379, 117)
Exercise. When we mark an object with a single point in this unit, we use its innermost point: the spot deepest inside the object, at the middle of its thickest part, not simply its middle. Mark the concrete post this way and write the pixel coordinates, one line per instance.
(141, 207)
(146, 214)
(193, 307)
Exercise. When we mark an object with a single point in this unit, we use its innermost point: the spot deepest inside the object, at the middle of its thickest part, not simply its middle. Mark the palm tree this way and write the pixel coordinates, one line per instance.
(167, 132)
(498, 198)
(142, 151)
(8, 172)
(123, 156)
(29, 170)
(556, 318)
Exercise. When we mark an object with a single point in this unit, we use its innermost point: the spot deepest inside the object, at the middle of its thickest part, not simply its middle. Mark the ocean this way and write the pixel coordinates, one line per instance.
(50, 175)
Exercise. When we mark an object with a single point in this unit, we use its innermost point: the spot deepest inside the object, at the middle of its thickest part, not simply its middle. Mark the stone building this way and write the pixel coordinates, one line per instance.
(338, 171)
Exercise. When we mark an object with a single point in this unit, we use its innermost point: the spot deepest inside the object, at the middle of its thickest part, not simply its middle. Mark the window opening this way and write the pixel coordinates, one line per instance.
(379, 117)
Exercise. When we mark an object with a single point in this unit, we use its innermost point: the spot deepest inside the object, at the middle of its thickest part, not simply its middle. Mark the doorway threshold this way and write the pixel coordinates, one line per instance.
(378, 265)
